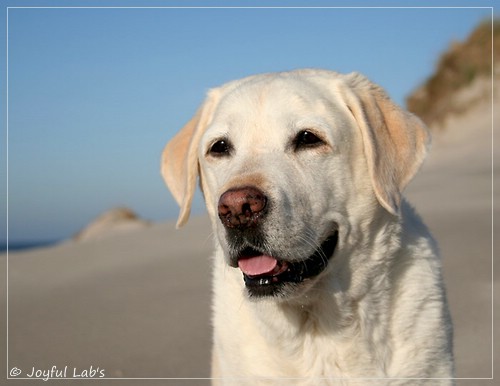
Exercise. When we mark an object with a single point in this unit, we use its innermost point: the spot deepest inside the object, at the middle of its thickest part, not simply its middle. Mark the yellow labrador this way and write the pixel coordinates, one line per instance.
(322, 273)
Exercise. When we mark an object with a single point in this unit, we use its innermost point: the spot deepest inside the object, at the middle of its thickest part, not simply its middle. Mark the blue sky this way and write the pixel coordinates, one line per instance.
(94, 94)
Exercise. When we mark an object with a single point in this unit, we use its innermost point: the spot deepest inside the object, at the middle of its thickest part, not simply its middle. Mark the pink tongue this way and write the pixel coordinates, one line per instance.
(257, 265)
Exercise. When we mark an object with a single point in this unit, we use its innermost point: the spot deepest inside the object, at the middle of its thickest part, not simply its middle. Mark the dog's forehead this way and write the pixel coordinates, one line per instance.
(277, 97)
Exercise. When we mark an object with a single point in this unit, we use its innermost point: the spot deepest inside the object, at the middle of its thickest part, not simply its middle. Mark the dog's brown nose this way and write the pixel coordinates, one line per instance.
(242, 207)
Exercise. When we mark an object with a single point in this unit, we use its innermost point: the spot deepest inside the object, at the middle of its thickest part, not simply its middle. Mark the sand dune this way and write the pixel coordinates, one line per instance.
(137, 304)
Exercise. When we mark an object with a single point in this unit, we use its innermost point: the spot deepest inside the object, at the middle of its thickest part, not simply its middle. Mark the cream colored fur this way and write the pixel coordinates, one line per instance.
(378, 313)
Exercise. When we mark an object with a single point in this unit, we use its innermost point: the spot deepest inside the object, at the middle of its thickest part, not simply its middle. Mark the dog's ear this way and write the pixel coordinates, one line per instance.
(395, 141)
(179, 161)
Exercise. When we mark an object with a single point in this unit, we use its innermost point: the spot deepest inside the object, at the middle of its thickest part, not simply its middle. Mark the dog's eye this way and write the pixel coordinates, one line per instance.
(306, 139)
(220, 148)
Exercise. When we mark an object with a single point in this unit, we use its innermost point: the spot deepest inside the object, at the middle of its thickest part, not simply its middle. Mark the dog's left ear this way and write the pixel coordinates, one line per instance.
(395, 141)
(179, 161)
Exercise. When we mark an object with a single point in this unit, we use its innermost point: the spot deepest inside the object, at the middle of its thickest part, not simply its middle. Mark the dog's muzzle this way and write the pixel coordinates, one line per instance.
(241, 211)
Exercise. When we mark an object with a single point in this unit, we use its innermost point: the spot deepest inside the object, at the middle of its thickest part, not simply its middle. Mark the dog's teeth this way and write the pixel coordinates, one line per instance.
(280, 268)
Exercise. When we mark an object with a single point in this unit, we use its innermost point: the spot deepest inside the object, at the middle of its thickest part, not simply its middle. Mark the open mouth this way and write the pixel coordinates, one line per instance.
(267, 276)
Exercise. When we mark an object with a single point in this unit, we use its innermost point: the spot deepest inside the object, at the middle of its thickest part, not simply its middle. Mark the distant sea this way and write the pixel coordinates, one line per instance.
(23, 245)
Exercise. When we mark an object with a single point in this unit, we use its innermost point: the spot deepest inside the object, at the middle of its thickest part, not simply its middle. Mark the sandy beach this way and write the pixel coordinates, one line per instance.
(137, 304)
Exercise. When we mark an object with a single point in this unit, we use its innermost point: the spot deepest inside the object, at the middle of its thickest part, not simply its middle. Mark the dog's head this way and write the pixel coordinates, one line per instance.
(290, 164)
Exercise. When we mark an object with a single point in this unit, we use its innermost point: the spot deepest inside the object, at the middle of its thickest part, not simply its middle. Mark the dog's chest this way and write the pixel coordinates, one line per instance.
(256, 339)
(295, 344)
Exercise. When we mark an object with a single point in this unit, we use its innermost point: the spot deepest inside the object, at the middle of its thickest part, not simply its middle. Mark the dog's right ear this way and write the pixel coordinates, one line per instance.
(179, 161)
(395, 141)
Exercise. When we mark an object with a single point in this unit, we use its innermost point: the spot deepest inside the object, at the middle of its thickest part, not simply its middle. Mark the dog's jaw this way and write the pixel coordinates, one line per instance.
(265, 276)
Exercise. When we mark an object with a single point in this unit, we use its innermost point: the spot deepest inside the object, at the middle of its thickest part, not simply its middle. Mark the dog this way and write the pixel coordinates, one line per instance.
(323, 274)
